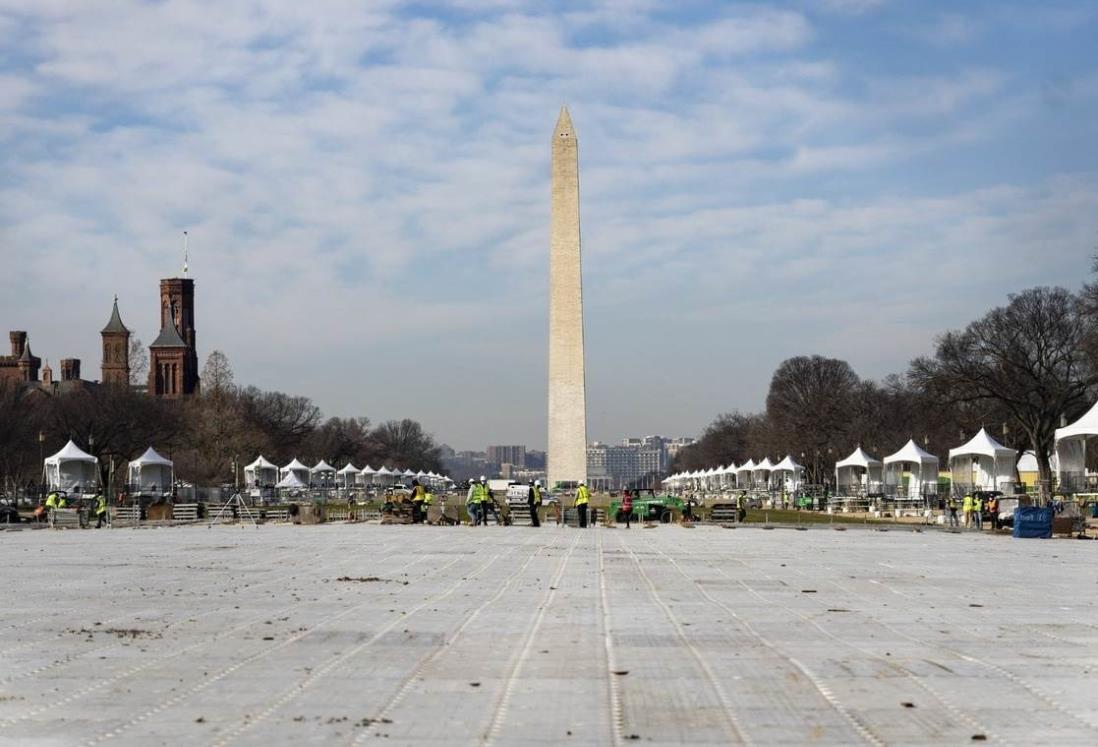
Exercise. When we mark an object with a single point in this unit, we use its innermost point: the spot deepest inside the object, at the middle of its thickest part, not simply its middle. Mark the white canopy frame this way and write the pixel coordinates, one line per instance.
(296, 468)
(348, 477)
(743, 474)
(859, 474)
(1070, 451)
(760, 475)
(922, 469)
(260, 473)
(73, 470)
(151, 473)
(982, 464)
(787, 475)
(323, 475)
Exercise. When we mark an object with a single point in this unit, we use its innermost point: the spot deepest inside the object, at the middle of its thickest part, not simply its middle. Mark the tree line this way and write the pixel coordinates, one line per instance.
(204, 435)
(1021, 371)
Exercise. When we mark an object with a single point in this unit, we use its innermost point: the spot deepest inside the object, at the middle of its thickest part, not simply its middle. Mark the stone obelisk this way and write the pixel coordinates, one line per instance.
(567, 455)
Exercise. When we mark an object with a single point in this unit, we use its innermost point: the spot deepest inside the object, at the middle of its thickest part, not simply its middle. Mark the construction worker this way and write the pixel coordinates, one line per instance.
(533, 500)
(51, 501)
(583, 498)
(978, 510)
(966, 509)
(61, 502)
(100, 511)
(472, 503)
(993, 511)
(951, 504)
(627, 507)
(741, 507)
(419, 493)
(488, 503)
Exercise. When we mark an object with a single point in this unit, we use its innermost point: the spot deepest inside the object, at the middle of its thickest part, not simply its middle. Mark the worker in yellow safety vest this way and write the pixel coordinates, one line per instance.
(978, 511)
(952, 506)
(472, 503)
(533, 500)
(100, 511)
(51, 501)
(583, 498)
(966, 508)
(419, 493)
(487, 503)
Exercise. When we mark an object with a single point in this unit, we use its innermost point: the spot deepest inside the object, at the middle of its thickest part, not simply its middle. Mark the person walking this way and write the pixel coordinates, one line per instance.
(627, 507)
(951, 504)
(978, 510)
(533, 500)
(100, 511)
(583, 498)
(419, 494)
(472, 503)
(966, 509)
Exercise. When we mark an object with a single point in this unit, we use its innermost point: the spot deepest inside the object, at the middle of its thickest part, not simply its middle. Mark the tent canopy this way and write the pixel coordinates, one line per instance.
(260, 463)
(295, 465)
(746, 466)
(1083, 427)
(151, 458)
(71, 453)
(787, 465)
(911, 453)
(290, 481)
(323, 466)
(859, 458)
(983, 445)
(350, 469)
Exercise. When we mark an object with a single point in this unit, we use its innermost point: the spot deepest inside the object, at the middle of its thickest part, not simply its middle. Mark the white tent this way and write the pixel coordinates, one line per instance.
(760, 475)
(923, 467)
(788, 475)
(409, 473)
(290, 481)
(383, 476)
(743, 474)
(323, 474)
(982, 464)
(348, 476)
(151, 473)
(858, 473)
(1070, 449)
(260, 472)
(72, 469)
(366, 477)
(297, 469)
(728, 476)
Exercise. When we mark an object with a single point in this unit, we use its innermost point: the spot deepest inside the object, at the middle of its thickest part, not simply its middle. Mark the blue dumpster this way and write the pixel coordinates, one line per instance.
(1033, 522)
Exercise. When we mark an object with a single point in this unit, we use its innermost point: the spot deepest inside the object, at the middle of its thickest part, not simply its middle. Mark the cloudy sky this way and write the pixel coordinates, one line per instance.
(366, 189)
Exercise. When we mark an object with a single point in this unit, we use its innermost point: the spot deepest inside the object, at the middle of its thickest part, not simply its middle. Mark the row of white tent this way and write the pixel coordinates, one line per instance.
(298, 475)
(73, 469)
(980, 464)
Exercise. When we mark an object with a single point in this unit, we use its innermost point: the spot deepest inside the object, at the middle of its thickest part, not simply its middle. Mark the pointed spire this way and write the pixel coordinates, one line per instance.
(27, 354)
(185, 253)
(115, 324)
(564, 126)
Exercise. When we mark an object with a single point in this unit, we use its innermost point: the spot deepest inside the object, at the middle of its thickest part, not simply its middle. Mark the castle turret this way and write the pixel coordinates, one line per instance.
(116, 350)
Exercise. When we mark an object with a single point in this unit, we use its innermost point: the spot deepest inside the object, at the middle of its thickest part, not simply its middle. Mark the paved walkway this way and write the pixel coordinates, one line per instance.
(348, 635)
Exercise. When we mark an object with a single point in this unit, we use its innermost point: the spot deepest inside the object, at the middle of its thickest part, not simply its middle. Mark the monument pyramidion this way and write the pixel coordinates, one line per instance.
(567, 453)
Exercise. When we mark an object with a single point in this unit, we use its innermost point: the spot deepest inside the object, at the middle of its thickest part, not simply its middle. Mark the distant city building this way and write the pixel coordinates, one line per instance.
(635, 462)
(513, 455)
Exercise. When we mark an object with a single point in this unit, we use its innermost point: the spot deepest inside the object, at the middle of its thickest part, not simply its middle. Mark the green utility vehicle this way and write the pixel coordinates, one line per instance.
(647, 506)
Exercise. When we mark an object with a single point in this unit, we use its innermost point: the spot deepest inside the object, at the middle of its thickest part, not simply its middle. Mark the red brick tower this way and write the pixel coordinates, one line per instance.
(173, 364)
(116, 350)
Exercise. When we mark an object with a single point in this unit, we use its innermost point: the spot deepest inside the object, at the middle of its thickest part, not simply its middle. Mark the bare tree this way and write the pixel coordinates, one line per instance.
(139, 363)
(217, 375)
(729, 438)
(404, 443)
(1026, 357)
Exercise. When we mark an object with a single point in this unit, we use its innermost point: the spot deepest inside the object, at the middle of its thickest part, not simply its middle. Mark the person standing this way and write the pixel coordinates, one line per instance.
(978, 510)
(627, 507)
(419, 494)
(966, 509)
(952, 505)
(472, 503)
(583, 498)
(100, 511)
(533, 500)
(993, 511)
(487, 503)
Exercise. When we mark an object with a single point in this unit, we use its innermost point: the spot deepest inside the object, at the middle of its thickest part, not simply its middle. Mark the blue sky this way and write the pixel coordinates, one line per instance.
(366, 189)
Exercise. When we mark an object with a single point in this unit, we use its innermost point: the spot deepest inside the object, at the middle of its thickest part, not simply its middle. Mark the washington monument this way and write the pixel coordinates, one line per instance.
(567, 457)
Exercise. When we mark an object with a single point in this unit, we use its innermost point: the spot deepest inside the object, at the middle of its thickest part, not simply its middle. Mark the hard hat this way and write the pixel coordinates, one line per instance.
(537, 482)
(583, 482)
(482, 478)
